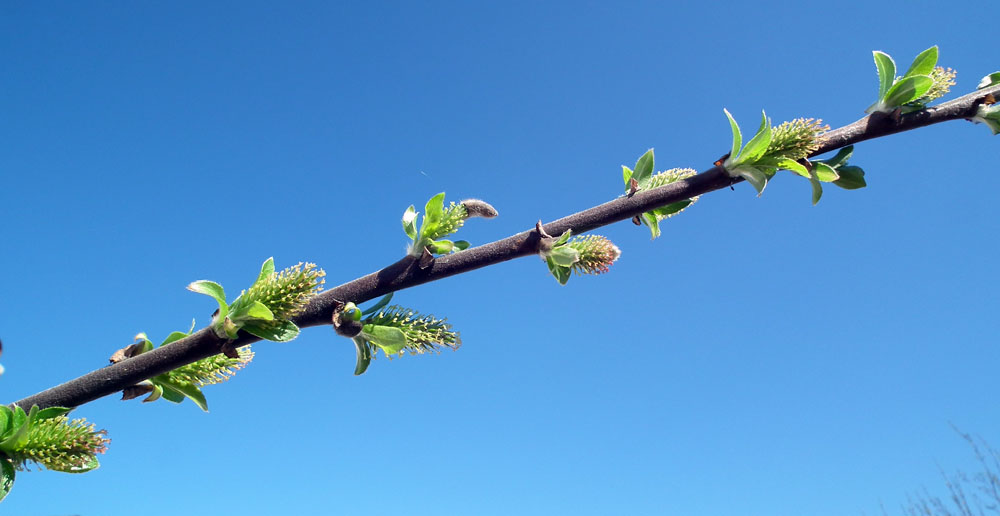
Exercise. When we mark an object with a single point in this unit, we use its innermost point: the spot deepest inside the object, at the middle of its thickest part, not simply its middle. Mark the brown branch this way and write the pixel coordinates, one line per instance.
(406, 273)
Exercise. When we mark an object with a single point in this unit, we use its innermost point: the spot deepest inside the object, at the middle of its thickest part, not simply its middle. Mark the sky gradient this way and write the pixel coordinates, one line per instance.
(762, 357)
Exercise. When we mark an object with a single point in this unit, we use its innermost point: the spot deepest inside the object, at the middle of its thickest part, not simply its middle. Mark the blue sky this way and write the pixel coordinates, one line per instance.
(762, 357)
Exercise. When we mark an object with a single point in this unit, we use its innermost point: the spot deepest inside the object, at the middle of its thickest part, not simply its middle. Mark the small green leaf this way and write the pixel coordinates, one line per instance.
(907, 90)
(563, 238)
(649, 218)
(381, 302)
(840, 158)
(6, 477)
(924, 63)
(990, 80)
(6, 421)
(390, 339)
(851, 178)
(441, 246)
(817, 188)
(559, 272)
(794, 166)
(757, 145)
(410, 223)
(169, 394)
(564, 256)
(266, 270)
(825, 173)
(626, 175)
(173, 337)
(433, 212)
(675, 207)
(259, 310)
(754, 176)
(886, 72)
(364, 351)
(51, 412)
(213, 290)
(90, 465)
(737, 137)
(461, 245)
(277, 331)
(188, 390)
(644, 168)
(156, 394)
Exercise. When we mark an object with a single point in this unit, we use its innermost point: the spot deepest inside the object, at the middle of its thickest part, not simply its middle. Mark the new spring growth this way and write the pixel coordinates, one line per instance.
(439, 222)
(265, 308)
(47, 438)
(989, 111)
(785, 147)
(590, 254)
(922, 82)
(185, 381)
(642, 178)
(393, 329)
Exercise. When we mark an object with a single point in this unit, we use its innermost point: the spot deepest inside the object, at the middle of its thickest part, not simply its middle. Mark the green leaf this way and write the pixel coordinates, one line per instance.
(410, 223)
(441, 246)
(190, 391)
(825, 173)
(791, 164)
(213, 290)
(754, 176)
(840, 158)
(817, 188)
(433, 212)
(381, 302)
(644, 168)
(364, 355)
(851, 178)
(20, 432)
(52, 412)
(757, 145)
(169, 394)
(924, 63)
(564, 256)
(461, 245)
(907, 90)
(266, 270)
(392, 340)
(563, 238)
(173, 337)
(277, 331)
(649, 218)
(90, 465)
(6, 421)
(156, 394)
(259, 310)
(559, 272)
(990, 80)
(737, 137)
(675, 207)
(6, 477)
(886, 72)
(626, 175)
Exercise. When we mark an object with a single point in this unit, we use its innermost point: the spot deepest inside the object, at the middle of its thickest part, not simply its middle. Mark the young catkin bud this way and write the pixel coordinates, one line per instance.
(478, 208)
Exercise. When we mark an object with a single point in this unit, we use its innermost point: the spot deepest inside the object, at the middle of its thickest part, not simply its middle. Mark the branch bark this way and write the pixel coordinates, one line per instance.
(405, 273)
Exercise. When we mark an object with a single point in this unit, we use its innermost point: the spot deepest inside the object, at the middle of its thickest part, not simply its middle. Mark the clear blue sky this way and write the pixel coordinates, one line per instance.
(763, 357)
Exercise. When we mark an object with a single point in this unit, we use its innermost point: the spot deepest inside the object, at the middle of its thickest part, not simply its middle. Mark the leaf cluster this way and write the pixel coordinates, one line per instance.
(642, 178)
(923, 82)
(185, 381)
(265, 308)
